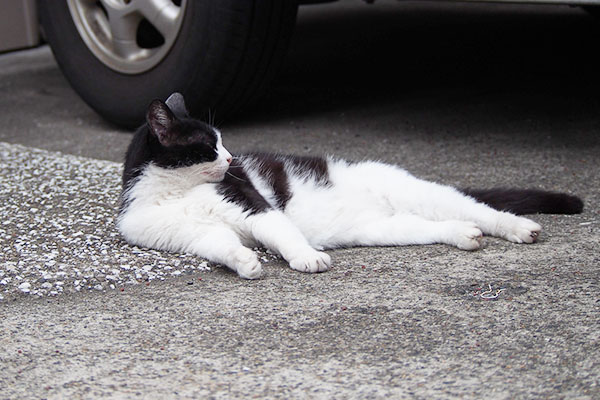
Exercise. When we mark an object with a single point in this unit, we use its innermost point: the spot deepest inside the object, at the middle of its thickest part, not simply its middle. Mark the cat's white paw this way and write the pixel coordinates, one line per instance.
(246, 264)
(522, 230)
(311, 261)
(465, 235)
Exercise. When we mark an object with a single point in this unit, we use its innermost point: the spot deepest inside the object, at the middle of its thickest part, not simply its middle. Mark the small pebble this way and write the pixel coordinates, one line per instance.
(25, 287)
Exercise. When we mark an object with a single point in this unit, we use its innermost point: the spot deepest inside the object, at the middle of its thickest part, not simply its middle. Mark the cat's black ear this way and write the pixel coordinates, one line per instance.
(177, 104)
(160, 120)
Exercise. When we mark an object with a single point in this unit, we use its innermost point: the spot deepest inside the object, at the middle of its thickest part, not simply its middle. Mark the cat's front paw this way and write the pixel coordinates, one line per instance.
(311, 261)
(522, 230)
(246, 264)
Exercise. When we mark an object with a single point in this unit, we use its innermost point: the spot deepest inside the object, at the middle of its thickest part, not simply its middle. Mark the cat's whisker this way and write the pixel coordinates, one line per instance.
(233, 176)
(214, 121)
(212, 118)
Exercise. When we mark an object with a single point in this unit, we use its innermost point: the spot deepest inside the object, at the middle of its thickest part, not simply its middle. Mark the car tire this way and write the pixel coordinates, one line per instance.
(223, 57)
(593, 10)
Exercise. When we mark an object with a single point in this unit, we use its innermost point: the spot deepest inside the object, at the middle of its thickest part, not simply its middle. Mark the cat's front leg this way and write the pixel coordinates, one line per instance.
(159, 229)
(245, 263)
(224, 247)
(275, 231)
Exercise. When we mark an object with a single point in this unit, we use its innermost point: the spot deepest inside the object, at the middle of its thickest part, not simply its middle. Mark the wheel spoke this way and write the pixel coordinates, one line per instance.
(101, 23)
(162, 14)
(123, 21)
(128, 49)
(123, 35)
(123, 26)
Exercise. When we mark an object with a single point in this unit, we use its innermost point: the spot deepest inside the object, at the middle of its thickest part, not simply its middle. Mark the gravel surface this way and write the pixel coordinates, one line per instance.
(58, 233)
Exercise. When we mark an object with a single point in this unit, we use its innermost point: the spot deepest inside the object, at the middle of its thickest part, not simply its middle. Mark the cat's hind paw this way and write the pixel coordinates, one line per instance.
(311, 261)
(523, 230)
(247, 265)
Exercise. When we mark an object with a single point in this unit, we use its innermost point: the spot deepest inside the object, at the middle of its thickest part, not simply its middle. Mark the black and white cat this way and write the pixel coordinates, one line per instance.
(184, 192)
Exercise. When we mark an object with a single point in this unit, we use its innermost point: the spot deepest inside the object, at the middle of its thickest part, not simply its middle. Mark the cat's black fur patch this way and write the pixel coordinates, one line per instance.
(313, 167)
(272, 169)
(237, 188)
(527, 201)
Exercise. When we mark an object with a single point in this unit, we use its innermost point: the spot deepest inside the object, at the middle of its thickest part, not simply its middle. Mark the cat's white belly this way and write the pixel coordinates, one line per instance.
(330, 216)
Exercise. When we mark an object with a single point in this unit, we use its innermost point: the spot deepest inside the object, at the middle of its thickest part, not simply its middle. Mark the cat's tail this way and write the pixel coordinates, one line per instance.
(527, 201)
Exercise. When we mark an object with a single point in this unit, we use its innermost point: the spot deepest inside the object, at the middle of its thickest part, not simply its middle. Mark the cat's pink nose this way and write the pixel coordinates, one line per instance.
(228, 159)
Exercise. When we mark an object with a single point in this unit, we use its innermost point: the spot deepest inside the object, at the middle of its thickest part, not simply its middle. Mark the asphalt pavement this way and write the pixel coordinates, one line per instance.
(473, 95)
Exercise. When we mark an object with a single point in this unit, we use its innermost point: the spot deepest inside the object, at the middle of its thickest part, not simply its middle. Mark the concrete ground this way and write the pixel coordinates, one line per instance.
(469, 95)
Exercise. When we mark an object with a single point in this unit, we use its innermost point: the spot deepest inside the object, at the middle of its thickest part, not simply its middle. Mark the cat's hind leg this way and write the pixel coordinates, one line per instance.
(511, 227)
(439, 202)
(516, 229)
(399, 230)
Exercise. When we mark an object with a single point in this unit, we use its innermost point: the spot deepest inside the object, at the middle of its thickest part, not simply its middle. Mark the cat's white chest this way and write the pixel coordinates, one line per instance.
(165, 194)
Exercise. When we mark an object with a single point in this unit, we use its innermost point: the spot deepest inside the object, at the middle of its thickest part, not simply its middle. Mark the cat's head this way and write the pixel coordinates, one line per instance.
(184, 142)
